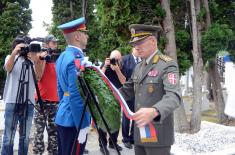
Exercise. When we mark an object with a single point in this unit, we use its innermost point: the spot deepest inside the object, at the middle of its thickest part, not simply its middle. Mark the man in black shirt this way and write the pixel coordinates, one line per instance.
(111, 68)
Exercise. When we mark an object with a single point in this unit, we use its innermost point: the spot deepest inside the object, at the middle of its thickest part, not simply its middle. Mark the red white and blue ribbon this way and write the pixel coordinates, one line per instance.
(148, 133)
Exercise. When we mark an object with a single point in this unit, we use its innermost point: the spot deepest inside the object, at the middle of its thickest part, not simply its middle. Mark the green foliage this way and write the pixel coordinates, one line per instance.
(202, 15)
(184, 61)
(180, 12)
(183, 40)
(223, 12)
(110, 29)
(114, 18)
(217, 38)
(184, 55)
(108, 104)
(108, 23)
(62, 13)
(15, 17)
(159, 11)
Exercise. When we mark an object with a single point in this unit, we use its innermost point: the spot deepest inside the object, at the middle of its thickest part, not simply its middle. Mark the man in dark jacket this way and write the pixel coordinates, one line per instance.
(128, 64)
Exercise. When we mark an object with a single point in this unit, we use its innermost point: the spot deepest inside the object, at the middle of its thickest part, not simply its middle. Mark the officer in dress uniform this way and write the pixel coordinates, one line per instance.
(155, 86)
(71, 103)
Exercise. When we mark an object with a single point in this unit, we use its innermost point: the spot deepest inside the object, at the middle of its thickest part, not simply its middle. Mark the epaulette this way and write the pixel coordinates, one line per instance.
(155, 58)
(165, 58)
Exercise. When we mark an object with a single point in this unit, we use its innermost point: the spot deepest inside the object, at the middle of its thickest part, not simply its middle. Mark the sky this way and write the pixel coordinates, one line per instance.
(41, 12)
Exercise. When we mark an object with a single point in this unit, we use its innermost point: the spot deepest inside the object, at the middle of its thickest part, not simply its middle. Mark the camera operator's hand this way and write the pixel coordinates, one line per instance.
(8, 66)
(39, 64)
(33, 56)
(42, 55)
(115, 68)
(107, 62)
(17, 49)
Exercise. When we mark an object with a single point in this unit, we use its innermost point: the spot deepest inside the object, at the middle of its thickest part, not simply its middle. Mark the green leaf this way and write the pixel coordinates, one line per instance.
(107, 102)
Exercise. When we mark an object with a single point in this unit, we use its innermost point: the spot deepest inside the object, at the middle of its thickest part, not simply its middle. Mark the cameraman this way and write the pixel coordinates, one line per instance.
(15, 112)
(48, 90)
(112, 70)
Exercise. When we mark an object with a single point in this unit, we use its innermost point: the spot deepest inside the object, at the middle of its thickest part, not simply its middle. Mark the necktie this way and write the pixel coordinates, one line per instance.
(137, 60)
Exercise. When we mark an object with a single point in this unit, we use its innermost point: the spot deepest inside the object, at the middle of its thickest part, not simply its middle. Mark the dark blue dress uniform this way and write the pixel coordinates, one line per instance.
(71, 103)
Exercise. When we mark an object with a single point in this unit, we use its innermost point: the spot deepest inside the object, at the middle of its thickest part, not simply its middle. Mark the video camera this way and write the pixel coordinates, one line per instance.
(52, 54)
(30, 46)
(35, 45)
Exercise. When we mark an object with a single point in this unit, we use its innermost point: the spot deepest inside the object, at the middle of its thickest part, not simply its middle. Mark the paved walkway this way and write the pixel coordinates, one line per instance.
(92, 146)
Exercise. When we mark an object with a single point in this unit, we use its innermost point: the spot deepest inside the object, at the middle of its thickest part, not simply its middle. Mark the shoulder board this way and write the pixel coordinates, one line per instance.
(155, 58)
(165, 58)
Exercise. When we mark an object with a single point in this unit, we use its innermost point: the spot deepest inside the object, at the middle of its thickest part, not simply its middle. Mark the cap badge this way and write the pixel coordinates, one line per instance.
(132, 31)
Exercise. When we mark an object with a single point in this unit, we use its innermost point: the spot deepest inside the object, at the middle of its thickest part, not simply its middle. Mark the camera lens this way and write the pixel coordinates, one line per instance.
(113, 61)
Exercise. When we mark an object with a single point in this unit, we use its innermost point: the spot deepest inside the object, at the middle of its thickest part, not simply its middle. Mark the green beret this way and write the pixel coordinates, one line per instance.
(142, 31)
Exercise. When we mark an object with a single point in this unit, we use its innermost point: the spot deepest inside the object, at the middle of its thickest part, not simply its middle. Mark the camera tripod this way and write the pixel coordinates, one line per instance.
(23, 101)
(90, 99)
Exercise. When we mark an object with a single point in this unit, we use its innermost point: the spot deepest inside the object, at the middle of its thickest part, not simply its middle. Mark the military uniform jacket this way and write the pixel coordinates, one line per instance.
(156, 85)
(71, 103)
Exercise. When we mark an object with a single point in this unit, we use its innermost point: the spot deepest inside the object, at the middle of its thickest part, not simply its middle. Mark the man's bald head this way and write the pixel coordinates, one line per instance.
(116, 54)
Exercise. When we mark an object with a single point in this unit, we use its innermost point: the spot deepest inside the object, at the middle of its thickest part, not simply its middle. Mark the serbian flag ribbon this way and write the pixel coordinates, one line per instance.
(148, 133)
(129, 114)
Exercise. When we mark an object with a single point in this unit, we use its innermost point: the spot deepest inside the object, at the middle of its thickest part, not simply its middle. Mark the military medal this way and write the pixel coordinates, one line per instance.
(153, 73)
(150, 88)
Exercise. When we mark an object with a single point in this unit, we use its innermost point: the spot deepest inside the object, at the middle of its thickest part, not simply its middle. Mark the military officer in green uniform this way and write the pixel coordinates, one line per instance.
(156, 88)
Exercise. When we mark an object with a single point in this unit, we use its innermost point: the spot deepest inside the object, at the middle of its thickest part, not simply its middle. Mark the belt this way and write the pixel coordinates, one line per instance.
(66, 94)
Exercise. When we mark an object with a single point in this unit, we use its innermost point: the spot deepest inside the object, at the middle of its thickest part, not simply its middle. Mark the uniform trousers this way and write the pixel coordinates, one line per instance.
(66, 137)
(143, 150)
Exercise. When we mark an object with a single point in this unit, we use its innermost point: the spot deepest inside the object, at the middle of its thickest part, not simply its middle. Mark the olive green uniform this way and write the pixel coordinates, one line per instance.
(155, 83)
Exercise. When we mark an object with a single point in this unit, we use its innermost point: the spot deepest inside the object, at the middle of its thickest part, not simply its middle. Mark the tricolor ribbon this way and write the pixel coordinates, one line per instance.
(148, 133)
